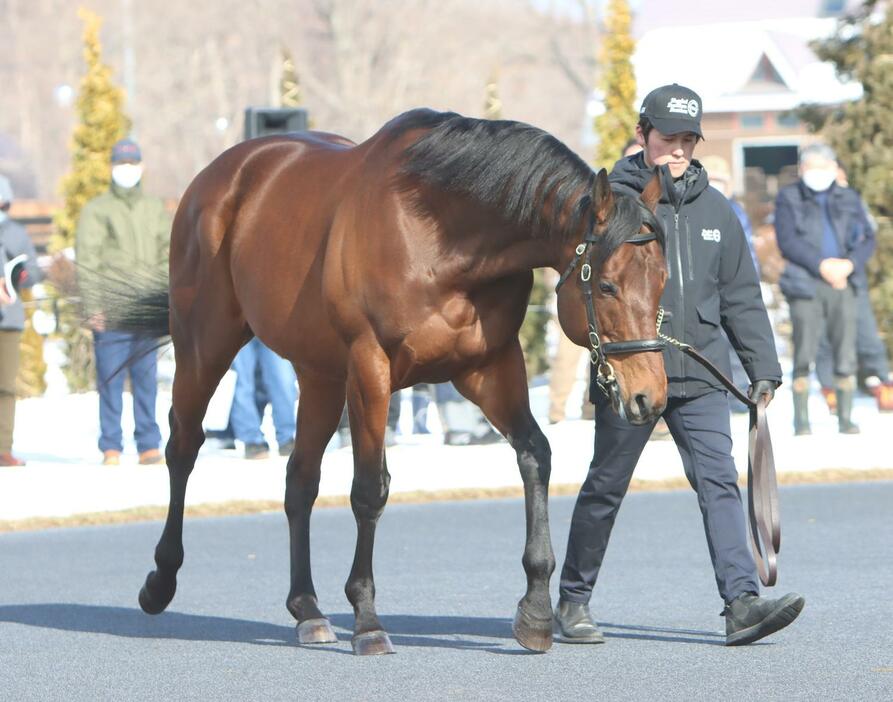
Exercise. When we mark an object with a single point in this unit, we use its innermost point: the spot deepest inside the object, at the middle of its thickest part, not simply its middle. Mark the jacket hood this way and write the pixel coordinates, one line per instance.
(631, 175)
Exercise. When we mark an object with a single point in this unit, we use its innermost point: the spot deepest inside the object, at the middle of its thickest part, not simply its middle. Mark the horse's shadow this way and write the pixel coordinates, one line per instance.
(131, 622)
(470, 633)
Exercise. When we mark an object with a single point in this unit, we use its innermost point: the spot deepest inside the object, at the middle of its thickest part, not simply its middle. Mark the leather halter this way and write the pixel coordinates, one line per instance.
(598, 351)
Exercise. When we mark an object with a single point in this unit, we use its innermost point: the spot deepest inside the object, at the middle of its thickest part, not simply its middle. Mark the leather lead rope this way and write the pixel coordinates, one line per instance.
(762, 483)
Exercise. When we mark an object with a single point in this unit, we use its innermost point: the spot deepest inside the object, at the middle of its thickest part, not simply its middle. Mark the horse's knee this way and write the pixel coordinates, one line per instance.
(369, 495)
(301, 489)
(183, 446)
(535, 458)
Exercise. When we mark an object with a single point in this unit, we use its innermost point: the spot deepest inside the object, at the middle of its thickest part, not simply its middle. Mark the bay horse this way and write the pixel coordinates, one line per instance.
(407, 258)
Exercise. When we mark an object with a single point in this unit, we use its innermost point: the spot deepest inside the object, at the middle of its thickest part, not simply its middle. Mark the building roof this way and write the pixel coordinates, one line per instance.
(762, 65)
(658, 14)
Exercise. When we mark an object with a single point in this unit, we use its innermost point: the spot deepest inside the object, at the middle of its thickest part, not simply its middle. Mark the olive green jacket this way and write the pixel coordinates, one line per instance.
(123, 237)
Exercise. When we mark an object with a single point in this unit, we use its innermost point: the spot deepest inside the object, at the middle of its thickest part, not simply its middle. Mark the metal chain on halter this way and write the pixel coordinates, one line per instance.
(681, 345)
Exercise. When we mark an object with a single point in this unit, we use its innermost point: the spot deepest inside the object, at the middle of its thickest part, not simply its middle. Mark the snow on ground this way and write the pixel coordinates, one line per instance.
(57, 435)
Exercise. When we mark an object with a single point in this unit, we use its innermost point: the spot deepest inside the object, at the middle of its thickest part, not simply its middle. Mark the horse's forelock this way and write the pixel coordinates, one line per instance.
(627, 219)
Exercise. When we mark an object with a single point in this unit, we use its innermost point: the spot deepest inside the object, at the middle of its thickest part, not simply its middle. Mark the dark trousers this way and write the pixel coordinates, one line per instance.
(832, 311)
(114, 350)
(871, 354)
(700, 426)
(393, 414)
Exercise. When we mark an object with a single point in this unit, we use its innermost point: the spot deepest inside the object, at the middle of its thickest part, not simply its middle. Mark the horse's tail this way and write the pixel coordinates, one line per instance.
(131, 301)
(145, 312)
(143, 309)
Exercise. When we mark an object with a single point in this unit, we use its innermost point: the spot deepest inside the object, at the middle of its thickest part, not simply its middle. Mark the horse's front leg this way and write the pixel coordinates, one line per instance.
(368, 396)
(500, 390)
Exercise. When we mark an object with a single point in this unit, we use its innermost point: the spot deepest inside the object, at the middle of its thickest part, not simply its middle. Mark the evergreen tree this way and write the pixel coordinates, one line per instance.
(101, 123)
(289, 83)
(861, 132)
(618, 84)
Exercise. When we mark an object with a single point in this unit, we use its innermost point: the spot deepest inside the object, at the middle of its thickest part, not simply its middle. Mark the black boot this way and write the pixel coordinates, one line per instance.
(750, 617)
(844, 409)
(801, 412)
(574, 624)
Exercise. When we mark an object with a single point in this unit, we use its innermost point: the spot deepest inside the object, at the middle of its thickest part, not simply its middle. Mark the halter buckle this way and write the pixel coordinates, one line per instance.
(585, 272)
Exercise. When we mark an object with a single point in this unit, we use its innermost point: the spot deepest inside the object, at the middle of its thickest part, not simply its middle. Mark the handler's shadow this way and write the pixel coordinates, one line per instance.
(658, 633)
(130, 622)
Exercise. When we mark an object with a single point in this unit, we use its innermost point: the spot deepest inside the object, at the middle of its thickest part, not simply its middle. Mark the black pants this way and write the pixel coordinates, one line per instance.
(830, 310)
(700, 427)
(871, 354)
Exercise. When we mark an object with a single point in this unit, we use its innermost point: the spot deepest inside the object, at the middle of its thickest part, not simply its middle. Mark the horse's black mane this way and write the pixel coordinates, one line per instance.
(509, 165)
(514, 167)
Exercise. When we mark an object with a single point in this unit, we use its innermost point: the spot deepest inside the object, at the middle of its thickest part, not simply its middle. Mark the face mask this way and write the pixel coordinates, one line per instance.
(819, 179)
(126, 175)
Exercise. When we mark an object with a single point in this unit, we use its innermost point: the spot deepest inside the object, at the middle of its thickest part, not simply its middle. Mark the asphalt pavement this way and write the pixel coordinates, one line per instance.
(448, 576)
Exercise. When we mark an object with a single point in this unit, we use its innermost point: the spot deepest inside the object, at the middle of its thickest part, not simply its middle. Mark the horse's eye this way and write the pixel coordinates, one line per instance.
(607, 288)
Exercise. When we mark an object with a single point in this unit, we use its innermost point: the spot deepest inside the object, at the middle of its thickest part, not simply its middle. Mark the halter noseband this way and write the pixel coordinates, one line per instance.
(598, 351)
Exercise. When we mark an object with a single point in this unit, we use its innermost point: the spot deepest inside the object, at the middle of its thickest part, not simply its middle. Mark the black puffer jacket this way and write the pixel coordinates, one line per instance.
(711, 281)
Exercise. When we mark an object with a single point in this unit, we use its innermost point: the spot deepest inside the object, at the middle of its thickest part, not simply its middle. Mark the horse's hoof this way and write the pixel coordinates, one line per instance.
(155, 597)
(534, 634)
(316, 631)
(372, 643)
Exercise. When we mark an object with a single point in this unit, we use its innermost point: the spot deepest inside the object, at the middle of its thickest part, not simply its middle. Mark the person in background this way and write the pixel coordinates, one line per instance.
(122, 233)
(14, 242)
(390, 432)
(711, 283)
(872, 363)
(280, 384)
(421, 398)
(825, 237)
(463, 422)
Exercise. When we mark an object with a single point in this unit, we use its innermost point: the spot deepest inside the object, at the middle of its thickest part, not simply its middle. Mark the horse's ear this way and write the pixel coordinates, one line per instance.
(651, 194)
(602, 197)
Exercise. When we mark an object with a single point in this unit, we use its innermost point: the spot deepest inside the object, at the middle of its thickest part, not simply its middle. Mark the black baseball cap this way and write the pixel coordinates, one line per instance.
(673, 109)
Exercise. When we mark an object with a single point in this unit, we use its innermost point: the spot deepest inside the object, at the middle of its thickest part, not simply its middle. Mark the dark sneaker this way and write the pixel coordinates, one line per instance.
(256, 452)
(749, 617)
(574, 624)
(286, 448)
(491, 437)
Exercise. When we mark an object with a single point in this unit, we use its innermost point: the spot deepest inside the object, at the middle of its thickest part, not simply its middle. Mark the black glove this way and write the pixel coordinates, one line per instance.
(763, 387)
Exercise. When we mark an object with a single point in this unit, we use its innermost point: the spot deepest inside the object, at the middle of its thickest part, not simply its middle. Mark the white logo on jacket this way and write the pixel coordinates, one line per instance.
(711, 235)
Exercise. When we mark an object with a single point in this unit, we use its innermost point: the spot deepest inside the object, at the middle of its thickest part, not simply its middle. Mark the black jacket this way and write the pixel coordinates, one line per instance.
(798, 230)
(712, 281)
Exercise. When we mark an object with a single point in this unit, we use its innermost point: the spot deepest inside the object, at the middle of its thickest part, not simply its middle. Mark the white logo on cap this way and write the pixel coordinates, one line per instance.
(683, 106)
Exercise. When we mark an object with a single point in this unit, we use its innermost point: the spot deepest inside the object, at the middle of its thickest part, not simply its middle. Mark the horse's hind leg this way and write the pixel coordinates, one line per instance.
(368, 396)
(500, 390)
(201, 360)
(318, 413)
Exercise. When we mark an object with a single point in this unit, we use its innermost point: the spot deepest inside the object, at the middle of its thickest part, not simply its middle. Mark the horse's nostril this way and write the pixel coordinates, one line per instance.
(643, 405)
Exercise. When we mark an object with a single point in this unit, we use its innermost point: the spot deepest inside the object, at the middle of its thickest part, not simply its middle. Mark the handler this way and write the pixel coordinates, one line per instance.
(711, 282)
